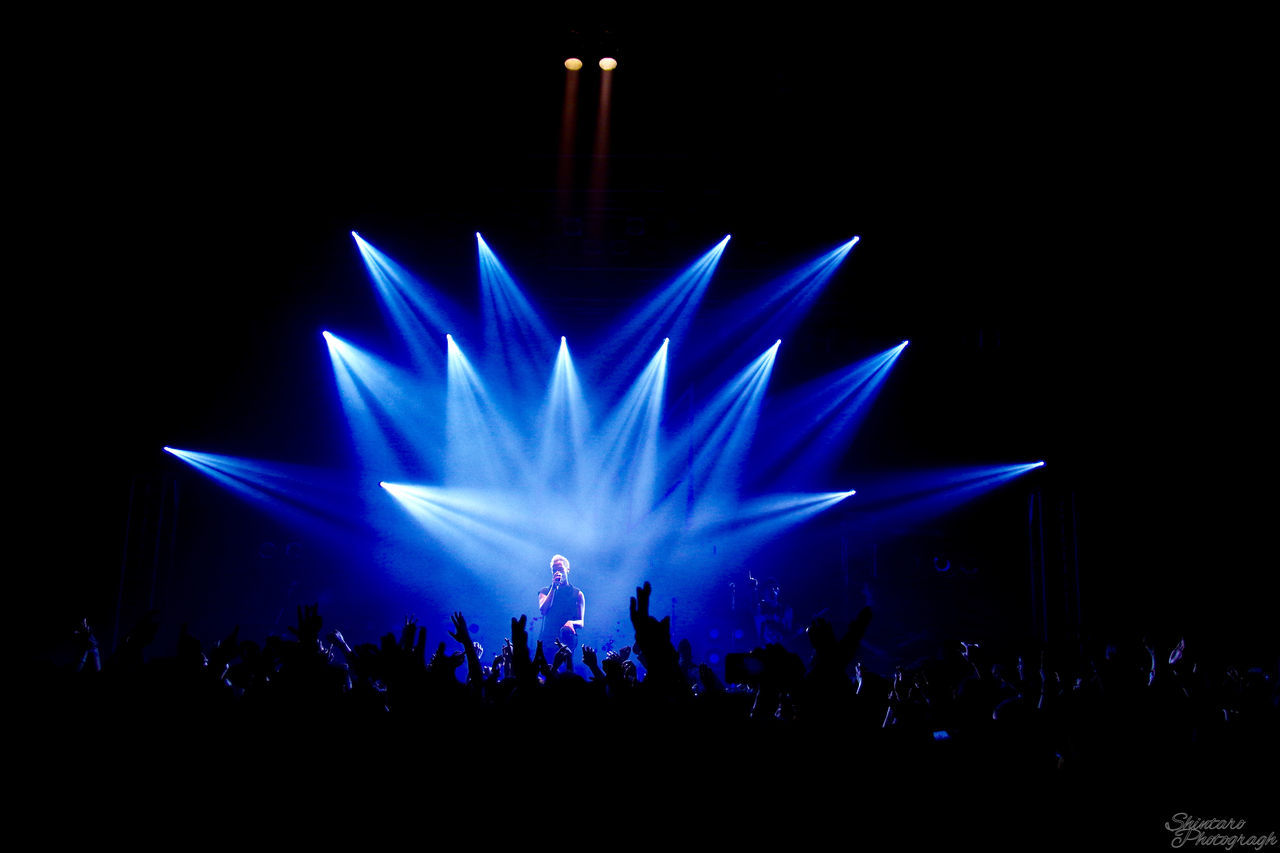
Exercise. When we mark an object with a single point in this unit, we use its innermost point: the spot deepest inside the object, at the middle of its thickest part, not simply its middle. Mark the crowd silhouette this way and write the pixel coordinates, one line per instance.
(1118, 717)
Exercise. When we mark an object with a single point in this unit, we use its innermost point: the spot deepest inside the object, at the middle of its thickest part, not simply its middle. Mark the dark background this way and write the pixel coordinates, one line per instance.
(1066, 215)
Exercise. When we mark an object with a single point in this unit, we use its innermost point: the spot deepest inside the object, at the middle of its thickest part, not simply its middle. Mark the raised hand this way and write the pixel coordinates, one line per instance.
(309, 624)
(335, 637)
(444, 662)
(420, 650)
(518, 651)
(653, 637)
(407, 632)
(225, 650)
(821, 635)
(84, 636)
(520, 636)
(853, 636)
(640, 605)
(460, 631)
(540, 661)
(564, 655)
(710, 681)
(87, 647)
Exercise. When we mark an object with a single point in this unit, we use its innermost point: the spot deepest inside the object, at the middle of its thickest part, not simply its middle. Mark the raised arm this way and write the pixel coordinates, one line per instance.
(582, 612)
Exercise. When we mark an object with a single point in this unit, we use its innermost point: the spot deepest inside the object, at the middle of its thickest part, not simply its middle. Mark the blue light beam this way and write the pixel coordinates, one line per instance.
(481, 528)
(804, 430)
(416, 311)
(770, 514)
(906, 499)
(775, 309)
(387, 409)
(564, 422)
(482, 449)
(311, 498)
(712, 447)
(629, 439)
(515, 337)
(668, 312)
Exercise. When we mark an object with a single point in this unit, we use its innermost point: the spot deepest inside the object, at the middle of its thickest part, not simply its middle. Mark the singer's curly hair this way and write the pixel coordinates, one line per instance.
(555, 557)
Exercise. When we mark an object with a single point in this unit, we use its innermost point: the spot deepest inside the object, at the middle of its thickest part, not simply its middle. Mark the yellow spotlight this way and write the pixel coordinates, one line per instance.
(608, 63)
(573, 63)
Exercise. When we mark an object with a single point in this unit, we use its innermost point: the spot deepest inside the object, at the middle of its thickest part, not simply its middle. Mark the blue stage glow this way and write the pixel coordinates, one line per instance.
(481, 526)
(716, 441)
(670, 311)
(812, 425)
(526, 448)
(767, 516)
(412, 308)
(308, 498)
(482, 448)
(630, 436)
(515, 338)
(392, 423)
(773, 309)
(907, 498)
(564, 422)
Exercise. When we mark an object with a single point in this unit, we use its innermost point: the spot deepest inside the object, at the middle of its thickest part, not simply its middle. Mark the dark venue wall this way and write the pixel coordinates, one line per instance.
(1024, 207)
(1057, 212)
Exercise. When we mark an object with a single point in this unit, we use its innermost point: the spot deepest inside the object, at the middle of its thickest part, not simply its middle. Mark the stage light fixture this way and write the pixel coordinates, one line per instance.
(573, 63)
(608, 63)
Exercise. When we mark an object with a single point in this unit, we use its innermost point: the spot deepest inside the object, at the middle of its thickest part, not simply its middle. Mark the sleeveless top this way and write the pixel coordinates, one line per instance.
(563, 609)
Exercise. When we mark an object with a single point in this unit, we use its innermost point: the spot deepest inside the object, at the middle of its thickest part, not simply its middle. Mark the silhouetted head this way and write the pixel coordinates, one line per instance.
(560, 568)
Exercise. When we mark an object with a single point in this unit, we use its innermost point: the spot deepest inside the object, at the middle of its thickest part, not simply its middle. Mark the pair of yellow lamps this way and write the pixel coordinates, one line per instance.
(606, 64)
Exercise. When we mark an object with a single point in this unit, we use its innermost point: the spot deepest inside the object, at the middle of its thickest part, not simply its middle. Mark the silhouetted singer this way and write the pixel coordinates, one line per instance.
(563, 608)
